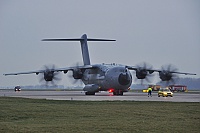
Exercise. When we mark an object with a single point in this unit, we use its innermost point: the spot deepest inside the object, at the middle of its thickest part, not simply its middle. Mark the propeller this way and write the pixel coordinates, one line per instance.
(142, 72)
(49, 76)
(77, 75)
(167, 74)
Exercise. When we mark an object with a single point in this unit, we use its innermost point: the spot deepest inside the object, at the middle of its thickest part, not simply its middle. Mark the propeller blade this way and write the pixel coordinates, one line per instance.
(167, 75)
(142, 72)
(49, 76)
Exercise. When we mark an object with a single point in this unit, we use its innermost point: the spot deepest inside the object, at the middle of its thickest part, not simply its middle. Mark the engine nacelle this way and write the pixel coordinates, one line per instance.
(48, 75)
(141, 74)
(77, 74)
(165, 76)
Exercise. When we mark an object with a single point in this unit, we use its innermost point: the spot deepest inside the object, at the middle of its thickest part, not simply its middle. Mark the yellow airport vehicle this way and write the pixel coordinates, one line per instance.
(165, 92)
(144, 90)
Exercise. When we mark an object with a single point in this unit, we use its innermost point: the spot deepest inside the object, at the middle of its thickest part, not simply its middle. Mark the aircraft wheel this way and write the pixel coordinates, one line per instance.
(89, 93)
(118, 93)
(121, 93)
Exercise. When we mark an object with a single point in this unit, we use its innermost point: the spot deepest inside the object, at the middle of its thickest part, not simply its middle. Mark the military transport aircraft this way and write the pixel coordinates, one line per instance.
(114, 78)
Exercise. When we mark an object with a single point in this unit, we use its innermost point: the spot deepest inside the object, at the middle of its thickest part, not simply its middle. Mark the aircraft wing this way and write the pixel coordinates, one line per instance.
(177, 72)
(156, 70)
(137, 68)
(30, 72)
(65, 70)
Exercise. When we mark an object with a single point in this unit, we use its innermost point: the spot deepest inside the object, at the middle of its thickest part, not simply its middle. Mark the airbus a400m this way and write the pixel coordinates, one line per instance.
(102, 77)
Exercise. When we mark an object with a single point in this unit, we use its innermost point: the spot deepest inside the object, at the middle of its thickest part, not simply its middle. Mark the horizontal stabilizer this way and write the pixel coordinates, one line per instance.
(77, 39)
(84, 47)
(90, 39)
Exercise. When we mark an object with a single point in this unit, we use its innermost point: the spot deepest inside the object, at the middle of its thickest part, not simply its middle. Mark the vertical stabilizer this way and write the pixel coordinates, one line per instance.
(84, 49)
(84, 46)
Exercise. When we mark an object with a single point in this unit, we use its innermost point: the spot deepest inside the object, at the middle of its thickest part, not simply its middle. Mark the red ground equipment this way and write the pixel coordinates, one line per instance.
(178, 88)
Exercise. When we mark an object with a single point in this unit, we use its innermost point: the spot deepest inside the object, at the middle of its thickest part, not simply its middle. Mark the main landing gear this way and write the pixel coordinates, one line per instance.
(89, 93)
(118, 93)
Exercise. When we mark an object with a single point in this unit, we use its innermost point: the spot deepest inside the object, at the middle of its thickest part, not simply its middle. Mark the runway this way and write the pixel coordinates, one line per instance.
(101, 96)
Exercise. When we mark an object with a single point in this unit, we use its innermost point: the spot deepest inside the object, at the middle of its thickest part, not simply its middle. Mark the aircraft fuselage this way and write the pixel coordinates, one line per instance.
(106, 77)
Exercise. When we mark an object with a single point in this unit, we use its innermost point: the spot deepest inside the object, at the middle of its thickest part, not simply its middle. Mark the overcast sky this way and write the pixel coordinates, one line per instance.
(155, 31)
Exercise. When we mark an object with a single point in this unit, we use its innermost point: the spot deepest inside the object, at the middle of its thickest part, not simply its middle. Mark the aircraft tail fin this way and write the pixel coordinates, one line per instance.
(84, 47)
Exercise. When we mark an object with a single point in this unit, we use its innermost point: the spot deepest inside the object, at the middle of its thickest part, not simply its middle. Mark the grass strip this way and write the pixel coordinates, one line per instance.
(36, 115)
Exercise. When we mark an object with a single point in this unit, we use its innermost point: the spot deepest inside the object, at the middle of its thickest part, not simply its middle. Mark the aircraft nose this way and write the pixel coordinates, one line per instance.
(124, 79)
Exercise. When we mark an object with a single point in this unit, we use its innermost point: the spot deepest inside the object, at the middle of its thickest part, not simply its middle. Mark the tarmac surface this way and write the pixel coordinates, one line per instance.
(100, 96)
